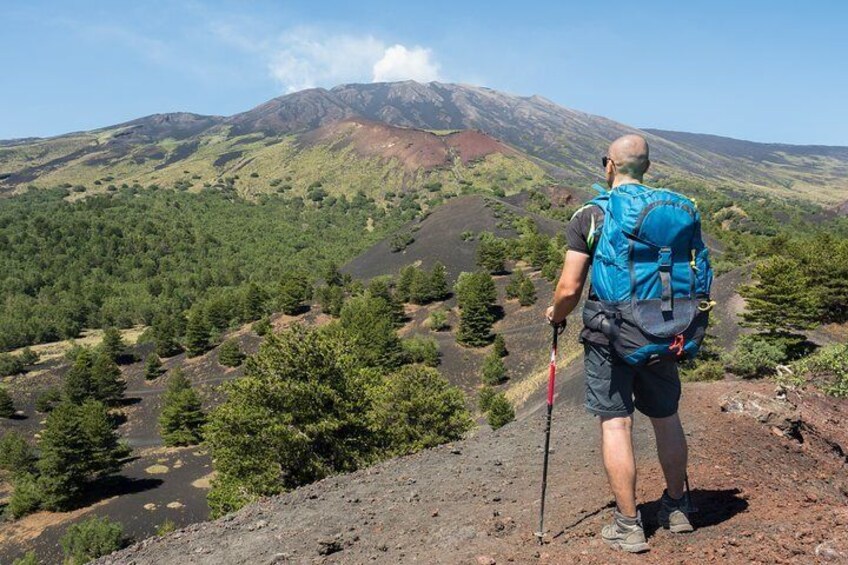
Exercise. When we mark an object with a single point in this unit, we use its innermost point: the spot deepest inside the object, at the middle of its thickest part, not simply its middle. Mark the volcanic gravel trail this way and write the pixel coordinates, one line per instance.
(762, 499)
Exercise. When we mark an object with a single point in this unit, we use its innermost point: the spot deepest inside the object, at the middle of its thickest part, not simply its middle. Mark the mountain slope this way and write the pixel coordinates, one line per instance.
(566, 143)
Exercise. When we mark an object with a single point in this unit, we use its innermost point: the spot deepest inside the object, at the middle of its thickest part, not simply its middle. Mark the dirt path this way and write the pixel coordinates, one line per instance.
(762, 499)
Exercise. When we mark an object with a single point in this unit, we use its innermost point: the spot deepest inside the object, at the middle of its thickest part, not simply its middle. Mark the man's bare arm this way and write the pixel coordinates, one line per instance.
(570, 286)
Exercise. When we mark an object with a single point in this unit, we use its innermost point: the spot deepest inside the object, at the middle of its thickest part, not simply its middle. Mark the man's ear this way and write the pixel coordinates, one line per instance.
(647, 166)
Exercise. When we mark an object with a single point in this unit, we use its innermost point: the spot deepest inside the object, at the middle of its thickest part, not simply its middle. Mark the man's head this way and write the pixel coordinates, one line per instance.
(627, 160)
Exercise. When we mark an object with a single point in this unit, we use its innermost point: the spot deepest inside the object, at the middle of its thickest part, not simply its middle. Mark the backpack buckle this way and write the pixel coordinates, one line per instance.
(664, 260)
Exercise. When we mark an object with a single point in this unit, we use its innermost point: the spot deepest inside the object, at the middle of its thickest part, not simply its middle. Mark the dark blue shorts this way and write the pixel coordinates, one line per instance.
(614, 388)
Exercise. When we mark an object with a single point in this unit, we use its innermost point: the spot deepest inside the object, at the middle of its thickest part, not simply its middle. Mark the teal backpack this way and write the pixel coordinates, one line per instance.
(651, 275)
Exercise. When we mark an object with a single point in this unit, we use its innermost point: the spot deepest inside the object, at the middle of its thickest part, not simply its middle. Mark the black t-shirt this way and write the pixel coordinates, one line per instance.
(581, 236)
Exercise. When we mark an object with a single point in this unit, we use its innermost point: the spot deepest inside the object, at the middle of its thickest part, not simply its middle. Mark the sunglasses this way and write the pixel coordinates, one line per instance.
(605, 160)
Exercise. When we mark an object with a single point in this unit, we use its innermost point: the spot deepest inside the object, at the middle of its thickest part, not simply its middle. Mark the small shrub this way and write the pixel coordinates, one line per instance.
(28, 357)
(527, 293)
(422, 350)
(153, 367)
(494, 370)
(438, 321)
(485, 396)
(166, 527)
(703, 372)
(262, 326)
(26, 498)
(401, 241)
(47, 400)
(499, 346)
(16, 456)
(756, 356)
(230, 354)
(418, 408)
(830, 365)
(10, 365)
(90, 539)
(7, 405)
(29, 558)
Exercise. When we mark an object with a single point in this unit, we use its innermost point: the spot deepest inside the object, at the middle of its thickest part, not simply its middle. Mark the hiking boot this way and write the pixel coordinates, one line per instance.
(673, 514)
(625, 533)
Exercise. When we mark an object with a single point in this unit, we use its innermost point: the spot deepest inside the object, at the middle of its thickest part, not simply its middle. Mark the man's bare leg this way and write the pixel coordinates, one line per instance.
(619, 462)
(672, 452)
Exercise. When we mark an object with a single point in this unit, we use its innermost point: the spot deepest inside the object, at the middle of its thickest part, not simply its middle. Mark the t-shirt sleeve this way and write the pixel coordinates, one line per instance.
(581, 226)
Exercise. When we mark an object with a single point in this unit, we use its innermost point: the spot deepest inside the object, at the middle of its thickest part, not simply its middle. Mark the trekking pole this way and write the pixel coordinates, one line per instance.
(551, 382)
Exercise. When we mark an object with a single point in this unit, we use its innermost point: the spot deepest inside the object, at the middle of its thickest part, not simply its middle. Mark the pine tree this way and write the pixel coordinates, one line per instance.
(513, 289)
(527, 293)
(331, 299)
(197, 334)
(165, 333)
(783, 300)
(113, 344)
(63, 463)
(7, 405)
(405, 283)
(78, 385)
(293, 292)
(491, 254)
(476, 294)
(499, 346)
(107, 383)
(253, 304)
(104, 451)
(500, 412)
(438, 286)
(379, 288)
(182, 418)
(537, 250)
(230, 354)
(494, 370)
(152, 367)
(332, 276)
(368, 328)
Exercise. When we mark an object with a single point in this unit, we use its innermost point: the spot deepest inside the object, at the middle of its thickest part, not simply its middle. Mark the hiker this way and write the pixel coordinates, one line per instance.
(645, 376)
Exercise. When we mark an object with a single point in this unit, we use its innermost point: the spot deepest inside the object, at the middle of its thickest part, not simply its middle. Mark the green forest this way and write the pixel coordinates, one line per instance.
(126, 257)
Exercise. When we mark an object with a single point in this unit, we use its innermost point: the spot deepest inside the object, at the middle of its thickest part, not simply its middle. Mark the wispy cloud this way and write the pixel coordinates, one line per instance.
(306, 57)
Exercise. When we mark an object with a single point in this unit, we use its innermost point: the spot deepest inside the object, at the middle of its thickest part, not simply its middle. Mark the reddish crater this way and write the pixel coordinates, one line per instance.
(414, 148)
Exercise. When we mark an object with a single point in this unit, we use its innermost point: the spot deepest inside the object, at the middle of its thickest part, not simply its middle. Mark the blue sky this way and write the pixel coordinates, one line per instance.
(767, 71)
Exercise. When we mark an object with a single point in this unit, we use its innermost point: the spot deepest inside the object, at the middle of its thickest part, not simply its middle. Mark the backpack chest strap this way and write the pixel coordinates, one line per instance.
(664, 264)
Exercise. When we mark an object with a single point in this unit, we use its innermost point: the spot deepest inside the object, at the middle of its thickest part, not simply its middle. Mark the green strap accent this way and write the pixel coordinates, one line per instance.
(591, 239)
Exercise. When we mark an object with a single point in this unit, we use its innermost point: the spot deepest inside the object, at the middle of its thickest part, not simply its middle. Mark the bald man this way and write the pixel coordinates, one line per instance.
(614, 388)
